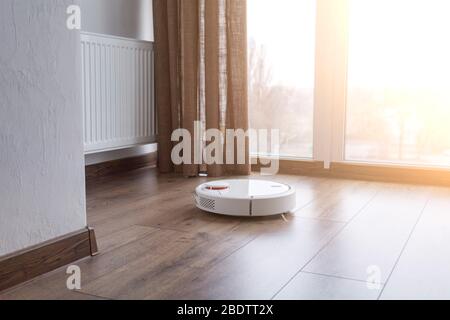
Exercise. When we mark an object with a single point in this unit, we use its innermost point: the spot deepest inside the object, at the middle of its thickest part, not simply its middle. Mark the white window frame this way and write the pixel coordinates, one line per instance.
(330, 101)
(331, 81)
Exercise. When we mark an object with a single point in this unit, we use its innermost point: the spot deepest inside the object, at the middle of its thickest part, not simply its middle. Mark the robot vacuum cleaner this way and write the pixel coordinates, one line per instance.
(245, 198)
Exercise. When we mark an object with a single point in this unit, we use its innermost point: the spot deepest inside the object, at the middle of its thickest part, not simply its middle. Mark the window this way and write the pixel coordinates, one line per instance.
(281, 71)
(398, 97)
(352, 80)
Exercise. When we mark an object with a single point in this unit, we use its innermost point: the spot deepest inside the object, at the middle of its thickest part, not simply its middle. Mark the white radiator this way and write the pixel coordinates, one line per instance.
(118, 92)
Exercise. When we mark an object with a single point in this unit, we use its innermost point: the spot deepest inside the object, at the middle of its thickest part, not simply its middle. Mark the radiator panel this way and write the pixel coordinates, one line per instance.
(118, 92)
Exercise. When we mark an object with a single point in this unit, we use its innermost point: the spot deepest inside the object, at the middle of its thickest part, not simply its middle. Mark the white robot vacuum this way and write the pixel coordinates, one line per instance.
(245, 197)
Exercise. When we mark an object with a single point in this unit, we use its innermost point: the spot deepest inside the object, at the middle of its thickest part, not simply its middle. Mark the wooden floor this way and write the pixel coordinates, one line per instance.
(344, 236)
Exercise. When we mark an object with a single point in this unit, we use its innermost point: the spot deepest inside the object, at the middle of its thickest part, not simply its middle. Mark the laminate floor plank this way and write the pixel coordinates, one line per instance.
(423, 270)
(375, 238)
(259, 269)
(308, 286)
(342, 204)
(167, 273)
(35, 292)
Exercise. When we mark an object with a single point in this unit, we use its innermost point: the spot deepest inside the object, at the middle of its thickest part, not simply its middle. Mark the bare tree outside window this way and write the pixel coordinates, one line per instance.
(281, 71)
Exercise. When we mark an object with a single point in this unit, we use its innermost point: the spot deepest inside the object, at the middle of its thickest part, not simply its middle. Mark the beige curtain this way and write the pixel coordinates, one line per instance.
(201, 74)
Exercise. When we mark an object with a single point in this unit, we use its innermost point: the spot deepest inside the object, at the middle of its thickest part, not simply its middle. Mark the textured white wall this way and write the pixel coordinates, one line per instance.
(42, 193)
(125, 18)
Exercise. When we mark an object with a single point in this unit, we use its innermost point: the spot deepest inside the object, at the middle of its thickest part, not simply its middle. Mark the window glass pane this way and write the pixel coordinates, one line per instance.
(281, 71)
(398, 103)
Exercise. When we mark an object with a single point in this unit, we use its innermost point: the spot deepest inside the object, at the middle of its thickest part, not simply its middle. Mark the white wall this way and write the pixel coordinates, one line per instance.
(125, 18)
(42, 193)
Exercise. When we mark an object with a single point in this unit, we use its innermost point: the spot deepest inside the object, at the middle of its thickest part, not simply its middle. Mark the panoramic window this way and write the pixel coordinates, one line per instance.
(398, 101)
(281, 71)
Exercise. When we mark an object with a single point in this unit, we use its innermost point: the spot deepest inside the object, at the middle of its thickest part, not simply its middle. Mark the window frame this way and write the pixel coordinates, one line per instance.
(331, 81)
(330, 92)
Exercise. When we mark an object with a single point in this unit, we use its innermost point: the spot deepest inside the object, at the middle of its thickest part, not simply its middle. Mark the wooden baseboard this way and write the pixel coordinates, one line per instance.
(368, 172)
(121, 165)
(391, 173)
(303, 168)
(27, 264)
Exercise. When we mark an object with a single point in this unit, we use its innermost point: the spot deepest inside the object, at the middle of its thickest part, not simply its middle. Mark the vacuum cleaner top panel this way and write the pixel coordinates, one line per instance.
(243, 189)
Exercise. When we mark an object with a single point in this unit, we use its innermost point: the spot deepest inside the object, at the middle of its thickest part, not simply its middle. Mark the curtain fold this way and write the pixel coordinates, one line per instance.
(212, 73)
(163, 88)
(237, 93)
(195, 65)
(189, 30)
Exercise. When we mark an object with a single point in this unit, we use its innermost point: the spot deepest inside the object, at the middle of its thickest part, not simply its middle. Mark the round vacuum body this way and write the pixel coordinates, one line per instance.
(245, 197)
